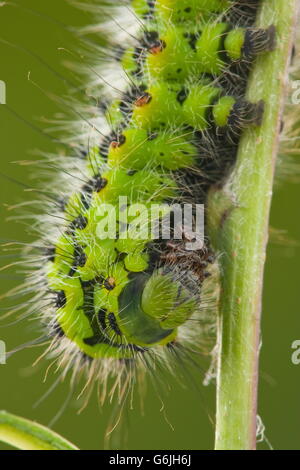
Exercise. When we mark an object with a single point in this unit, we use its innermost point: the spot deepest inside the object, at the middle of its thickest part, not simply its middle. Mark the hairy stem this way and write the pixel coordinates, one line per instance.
(238, 224)
(28, 435)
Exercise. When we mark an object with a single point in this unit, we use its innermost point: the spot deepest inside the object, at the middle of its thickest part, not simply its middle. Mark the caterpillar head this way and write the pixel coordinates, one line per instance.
(153, 306)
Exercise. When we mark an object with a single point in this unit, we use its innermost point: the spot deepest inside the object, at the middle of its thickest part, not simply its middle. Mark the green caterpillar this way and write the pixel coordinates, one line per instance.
(174, 130)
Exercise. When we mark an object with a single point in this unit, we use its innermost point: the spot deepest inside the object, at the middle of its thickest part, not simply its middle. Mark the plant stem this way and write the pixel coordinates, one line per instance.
(238, 224)
(28, 435)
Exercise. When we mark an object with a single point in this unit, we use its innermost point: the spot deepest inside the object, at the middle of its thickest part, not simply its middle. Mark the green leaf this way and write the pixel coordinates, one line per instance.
(28, 435)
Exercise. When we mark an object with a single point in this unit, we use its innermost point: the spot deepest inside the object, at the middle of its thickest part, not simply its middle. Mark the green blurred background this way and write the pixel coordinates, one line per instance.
(187, 419)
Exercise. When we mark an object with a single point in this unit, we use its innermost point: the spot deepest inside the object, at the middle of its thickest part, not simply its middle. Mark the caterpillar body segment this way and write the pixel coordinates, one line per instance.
(179, 11)
(197, 106)
(189, 12)
(177, 54)
(138, 146)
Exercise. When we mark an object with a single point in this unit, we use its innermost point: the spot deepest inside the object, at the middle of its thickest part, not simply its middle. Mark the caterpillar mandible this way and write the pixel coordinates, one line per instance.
(121, 304)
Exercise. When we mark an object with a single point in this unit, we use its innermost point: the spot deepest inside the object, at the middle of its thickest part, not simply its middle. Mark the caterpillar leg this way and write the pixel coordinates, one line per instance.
(238, 114)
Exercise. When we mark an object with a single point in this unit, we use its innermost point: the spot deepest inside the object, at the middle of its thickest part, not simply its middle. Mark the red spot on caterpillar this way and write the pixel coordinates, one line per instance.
(110, 283)
(143, 100)
(117, 143)
(155, 50)
(114, 144)
(158, 48)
